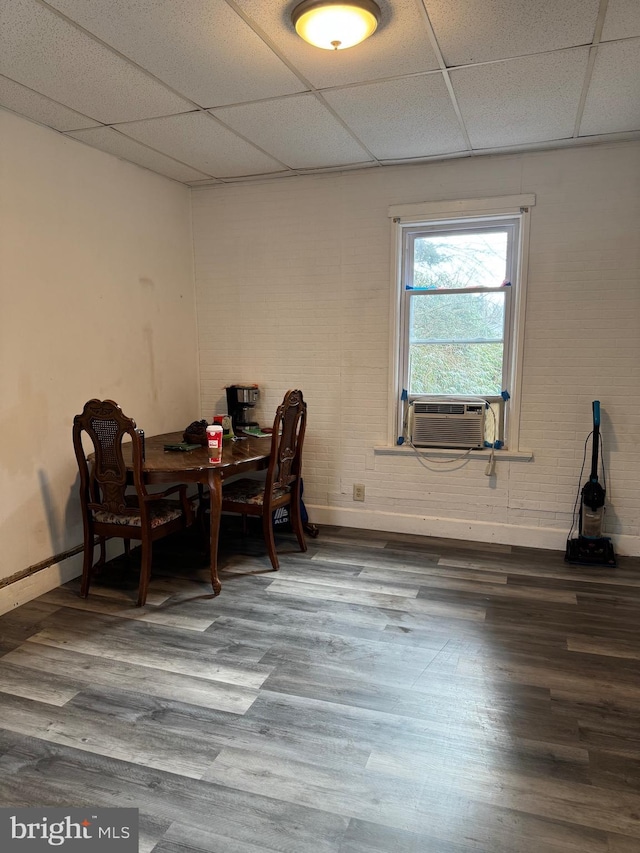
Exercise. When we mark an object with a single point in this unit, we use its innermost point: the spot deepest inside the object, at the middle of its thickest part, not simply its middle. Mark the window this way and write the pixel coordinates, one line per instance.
(460, 306)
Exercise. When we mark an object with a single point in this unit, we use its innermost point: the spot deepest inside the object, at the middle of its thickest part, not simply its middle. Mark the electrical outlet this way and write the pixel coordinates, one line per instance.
(358, 491)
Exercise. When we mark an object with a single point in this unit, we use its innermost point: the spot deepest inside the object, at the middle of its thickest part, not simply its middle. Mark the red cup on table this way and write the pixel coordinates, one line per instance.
(214, 442)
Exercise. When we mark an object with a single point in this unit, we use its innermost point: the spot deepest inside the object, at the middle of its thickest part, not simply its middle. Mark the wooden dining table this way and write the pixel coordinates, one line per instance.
(239, 456)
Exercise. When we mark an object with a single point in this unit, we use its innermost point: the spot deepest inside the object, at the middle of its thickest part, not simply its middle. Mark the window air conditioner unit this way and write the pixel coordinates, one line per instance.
(443, 424)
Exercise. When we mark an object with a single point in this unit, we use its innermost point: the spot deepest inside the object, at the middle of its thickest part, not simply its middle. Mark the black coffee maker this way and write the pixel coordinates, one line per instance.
(240, 399)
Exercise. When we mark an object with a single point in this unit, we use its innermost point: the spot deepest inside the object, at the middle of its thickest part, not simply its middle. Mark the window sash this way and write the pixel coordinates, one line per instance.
(447, 230)
(502, 339)
(411, 232)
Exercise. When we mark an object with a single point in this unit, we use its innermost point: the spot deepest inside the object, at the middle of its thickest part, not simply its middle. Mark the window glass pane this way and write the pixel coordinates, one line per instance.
(473, 369)
(456, 343)
(465, 259)
(454, 317)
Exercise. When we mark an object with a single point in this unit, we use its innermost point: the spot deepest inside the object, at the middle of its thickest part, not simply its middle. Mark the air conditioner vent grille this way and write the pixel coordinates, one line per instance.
(447, 425)
(439, 408)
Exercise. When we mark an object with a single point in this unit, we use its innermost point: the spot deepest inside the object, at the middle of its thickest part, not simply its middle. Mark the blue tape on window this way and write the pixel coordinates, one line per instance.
(404, 395)
(505, 395)
(400, 440)
(497, 444)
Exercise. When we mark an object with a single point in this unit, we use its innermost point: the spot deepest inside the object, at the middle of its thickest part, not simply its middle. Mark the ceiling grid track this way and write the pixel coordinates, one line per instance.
(593, 52)
(445, 72)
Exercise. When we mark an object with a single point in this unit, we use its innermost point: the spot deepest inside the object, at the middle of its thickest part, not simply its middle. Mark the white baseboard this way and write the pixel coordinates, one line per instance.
(31, 587)
(455, 528)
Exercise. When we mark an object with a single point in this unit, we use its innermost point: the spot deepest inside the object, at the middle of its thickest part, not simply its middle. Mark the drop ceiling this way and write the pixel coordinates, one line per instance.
(216, 91)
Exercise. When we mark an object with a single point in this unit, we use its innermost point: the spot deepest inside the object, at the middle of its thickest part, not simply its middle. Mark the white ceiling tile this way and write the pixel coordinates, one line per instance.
(400, 45)
(201, 48)
(481, 30)
(77, 65)
(526, 100)
(45, 53)
(109, 140)
(312, 138)
(407, 118)
(200, 141)
(40, 108)
(613, 99)
(622, 20)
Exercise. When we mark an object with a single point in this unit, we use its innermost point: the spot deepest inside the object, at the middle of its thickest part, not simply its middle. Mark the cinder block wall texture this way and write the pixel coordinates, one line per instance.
(293, 284)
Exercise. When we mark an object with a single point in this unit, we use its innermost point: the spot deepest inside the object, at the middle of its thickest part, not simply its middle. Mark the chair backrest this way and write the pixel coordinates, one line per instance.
(103, 484)
(289, 425)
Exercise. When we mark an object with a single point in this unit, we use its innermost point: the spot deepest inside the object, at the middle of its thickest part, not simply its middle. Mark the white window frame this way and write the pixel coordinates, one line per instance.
(460, 213)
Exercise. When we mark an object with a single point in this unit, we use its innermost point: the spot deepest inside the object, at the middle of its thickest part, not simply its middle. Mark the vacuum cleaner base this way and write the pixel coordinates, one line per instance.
(590, 552)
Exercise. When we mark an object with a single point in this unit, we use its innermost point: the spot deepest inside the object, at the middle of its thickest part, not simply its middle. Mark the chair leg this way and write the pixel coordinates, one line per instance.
(102, 559)
(87, 565)
(145, 571)
(201, 512)
(296, 522)
(267, 530)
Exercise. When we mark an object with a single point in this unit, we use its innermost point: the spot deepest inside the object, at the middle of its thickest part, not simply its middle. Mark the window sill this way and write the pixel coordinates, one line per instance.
(453, 452)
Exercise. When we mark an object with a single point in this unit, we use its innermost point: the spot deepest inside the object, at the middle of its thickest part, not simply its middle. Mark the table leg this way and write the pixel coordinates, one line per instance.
(215, 507)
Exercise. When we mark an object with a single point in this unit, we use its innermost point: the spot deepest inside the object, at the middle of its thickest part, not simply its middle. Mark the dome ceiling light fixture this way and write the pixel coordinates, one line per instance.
(335, 25)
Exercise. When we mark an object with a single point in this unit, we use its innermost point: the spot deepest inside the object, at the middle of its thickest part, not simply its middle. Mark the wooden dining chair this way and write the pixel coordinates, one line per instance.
(108, 510)
(282, 486)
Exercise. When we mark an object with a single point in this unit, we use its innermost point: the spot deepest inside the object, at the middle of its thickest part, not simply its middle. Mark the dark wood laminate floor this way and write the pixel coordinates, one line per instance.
(379, 694)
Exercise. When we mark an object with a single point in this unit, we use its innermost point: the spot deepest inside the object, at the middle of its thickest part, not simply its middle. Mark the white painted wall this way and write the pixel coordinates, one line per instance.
(293, 289)
(96, 300)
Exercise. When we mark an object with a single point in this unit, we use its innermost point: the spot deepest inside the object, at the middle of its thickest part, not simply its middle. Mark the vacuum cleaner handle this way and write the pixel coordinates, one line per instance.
(595, 441)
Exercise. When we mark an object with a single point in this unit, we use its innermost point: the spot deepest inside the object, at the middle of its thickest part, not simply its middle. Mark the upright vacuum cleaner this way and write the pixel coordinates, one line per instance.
(591, 548)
